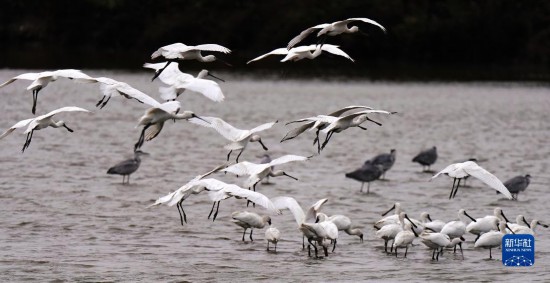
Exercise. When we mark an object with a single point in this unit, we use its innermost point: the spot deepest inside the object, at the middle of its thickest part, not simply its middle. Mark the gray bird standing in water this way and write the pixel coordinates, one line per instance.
(426, 158)
(517, 184)
(386, 160)
(366, 174)
(128, 166)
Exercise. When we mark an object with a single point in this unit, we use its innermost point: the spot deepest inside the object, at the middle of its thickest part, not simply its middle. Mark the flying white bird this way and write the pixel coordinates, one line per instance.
(459, 171)
(181, 51)
(178, 82)
(332, 29)
(301, 52)
(41, 80)
(110, 87)
(239, 138)
(154, 118)
(190, 188)
(41, 122)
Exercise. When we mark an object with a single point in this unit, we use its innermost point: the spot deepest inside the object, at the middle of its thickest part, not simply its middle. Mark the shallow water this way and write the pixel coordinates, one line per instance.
(65, 218)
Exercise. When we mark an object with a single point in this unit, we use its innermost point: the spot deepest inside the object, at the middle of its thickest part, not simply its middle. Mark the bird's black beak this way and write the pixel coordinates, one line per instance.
(210, 74)
(502, 213)
(195, 116)
(263, 145)
(429, 218)
(392, 208)
(509, 229)
(68, 129)
(473, 219)
(414, 225)
(290, 176)
(224, 62)
(526, 223)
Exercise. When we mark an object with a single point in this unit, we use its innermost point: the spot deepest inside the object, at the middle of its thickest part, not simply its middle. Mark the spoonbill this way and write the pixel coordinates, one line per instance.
(154, 118)
(426, 158)
(352, 120)
(386, 160)
(128, 166)
(272, 235)
(457, 228)
(190, 188)
(517, 184)
(520, 222)
(342, 222)
(250, 220)
(181, 51)
(42, 79)
(239, 138)
(41, 122)
(318, 123)
(528, 230)
(388, 232)
(333, 29)
(265, 158)
(458, 171)
(304, 52)
(404, 238)
(110, 87)
(428, 223)
(437, 241)
(312, 231)
(486, 223)
(178, 82)
(492, 239)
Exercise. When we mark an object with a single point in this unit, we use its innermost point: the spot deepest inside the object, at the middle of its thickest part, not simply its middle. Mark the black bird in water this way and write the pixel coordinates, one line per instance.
(426, 158)
(366, 174)
(386, 160)
(517, 184)
(128, 166)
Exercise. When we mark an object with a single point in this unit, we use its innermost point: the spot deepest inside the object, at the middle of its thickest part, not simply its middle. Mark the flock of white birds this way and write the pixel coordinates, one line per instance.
(319, 229)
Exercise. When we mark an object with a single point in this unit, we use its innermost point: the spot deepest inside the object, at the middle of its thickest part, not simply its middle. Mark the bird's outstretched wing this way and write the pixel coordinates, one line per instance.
(212, 47)
(17, 125)
(278, 51)
(208, 88)
(62, 109)
(287, 158)
(446, 170)
(244, 168)
(348, 108)
(304, 34)
(223, 128)
(262, 127)
(291, 204)
(297, 131)
(366, 20)
(487, 178)
(26, 76)
(336, 51)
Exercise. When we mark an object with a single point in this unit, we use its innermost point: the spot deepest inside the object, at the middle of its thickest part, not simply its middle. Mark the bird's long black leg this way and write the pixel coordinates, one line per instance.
(105, 103)
(433, 255)
(34, 98)
(229, 154)
(216, 214)
(100, 101)
(362, 128)
(181, 212)
(334, 246)
(239, 155)
(452, 188)
(326, 250)
(251, 230)
(314, 246)
(362, 184)
(28, 142)
(386, 246)
(329, 135)
(456, 189)
(244, 232)
(141, 138)
(157, 73)
(211, 210)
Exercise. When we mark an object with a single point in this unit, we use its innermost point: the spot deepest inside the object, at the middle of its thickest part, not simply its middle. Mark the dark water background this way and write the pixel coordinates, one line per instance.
(64, 218)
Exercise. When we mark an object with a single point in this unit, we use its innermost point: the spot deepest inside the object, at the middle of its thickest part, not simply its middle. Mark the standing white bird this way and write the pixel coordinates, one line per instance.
(41, 122)
(154, 118)
(458, 171)
(272, 235)
(530, 229)
(190, 188)
(239, 138)
(332, 29)
(41, 80)
(343, 223)
(438, 241)
(352, 120)
(178, 82)
(305, 220)
(428, 223)
(404, 238)
(304, 52)
(456, 229)
(486, 223)
(492, 239)
(388, 232)
(110, 87)
(250, 220)
(181, 51)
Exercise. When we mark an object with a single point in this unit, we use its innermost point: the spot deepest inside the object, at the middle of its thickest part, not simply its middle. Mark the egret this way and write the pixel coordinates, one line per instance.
(250, 220)
(181, 51)
(367, 173)
(332, 29)
(41, 80)
(458, 171)
(41, 122)
(386, 160)
(128, 166)
(492, 239)
(154, 118)
(239, 138)
(303, 52)
(426, 158)
(190, 188)
(178, 82)
(517, 184)
(272, 235)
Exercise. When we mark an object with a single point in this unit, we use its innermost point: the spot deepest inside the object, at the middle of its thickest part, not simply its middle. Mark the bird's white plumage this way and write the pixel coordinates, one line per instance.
(110, 87)
(299, 214)
(179, 50)
(470, 168)
(228, 131)
(302, 52)
(41, 79)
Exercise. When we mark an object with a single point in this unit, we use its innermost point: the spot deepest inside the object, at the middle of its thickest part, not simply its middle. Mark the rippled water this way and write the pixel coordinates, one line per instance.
(64, 218)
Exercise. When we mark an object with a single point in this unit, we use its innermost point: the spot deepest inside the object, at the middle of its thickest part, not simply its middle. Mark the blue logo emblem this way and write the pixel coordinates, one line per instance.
(518, 250)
